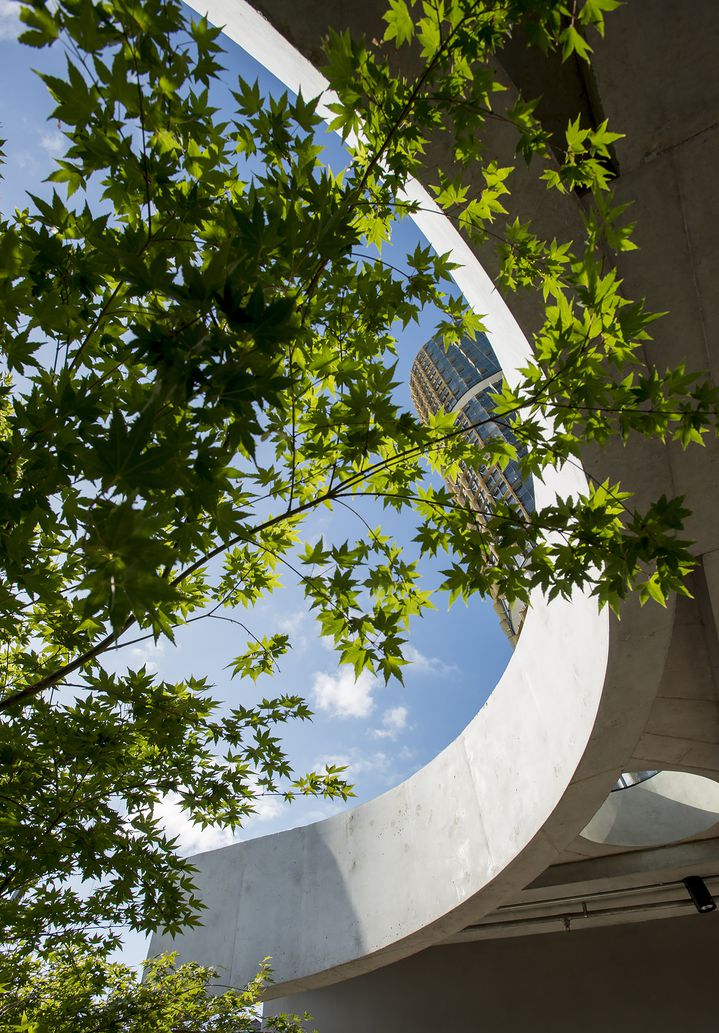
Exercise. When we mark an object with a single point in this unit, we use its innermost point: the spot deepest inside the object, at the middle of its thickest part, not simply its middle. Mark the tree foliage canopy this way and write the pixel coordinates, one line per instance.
(198, 339)
(90, 995)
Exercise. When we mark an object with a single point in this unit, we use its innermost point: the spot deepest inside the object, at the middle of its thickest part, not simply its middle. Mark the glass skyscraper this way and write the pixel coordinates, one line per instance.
(460, 379)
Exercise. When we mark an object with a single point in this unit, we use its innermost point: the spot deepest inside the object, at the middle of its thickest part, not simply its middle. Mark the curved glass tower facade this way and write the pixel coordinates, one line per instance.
(461, 379)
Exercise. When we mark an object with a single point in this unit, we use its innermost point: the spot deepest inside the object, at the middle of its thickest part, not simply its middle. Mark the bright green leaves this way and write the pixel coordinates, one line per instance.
(484, 208)
(532, 137)
(348, 61)
(592, 12)
(328, 782)
(584, 15)
(260, 657)
(604, 223)
(42, 28)
(364, 595)
(586, 156)
(205, 38)
(574, 43)
(400, 25)
(80, 992)
(160, 346)
(77, 101)
(429, 34)
(249, 576)
(450, 192)
(652, 560)
(11, 258)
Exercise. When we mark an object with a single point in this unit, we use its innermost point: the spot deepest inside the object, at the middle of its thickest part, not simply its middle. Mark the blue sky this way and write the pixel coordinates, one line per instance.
(383, 733)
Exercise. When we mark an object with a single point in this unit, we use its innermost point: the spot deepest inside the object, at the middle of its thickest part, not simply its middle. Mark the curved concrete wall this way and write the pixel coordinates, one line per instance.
(670, 806)
(494, 809)
(431, 855)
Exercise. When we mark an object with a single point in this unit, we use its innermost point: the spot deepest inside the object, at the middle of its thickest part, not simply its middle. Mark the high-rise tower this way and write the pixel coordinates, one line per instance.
(460, 379)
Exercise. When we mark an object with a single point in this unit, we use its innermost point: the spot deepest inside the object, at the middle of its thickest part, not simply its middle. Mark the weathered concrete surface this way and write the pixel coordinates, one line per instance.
(583, 697)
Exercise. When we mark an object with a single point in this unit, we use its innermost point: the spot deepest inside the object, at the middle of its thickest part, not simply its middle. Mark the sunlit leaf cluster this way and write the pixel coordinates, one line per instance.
(84, 994)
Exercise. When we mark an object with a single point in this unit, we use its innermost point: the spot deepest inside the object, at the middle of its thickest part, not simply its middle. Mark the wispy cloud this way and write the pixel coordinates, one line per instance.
(295, 625)
(193, 839)
(148, 655)
(394, 721)
(267, 808)
(428, 664)
(356, 763)
(52, 142)
(373, 770)
(343, 695)
(292, 622)
(9, 19)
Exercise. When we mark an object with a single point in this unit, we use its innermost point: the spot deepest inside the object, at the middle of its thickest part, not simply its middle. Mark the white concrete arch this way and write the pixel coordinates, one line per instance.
(363, 888)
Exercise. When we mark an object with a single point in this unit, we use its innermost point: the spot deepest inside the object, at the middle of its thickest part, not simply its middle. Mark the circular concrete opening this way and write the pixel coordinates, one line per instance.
(665, 807)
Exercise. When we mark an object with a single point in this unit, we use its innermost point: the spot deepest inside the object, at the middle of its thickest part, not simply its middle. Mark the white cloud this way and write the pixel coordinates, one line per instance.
(373, 771)
(356, 763)
(192, 839)
(291, 622)
(337, 760)
(53, 142)
(394, 721)
(427, 664)
(295, 625)
(148, 654)
(267, 808)
(395, 718)
(376, 764)
(342, 695)
(9, 21)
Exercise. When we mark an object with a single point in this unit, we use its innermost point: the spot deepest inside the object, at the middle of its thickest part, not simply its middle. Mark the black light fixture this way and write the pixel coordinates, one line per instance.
(702, 899)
